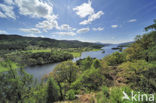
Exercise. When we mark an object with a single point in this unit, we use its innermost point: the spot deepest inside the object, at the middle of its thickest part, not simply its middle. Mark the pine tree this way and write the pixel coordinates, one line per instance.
(52, 91)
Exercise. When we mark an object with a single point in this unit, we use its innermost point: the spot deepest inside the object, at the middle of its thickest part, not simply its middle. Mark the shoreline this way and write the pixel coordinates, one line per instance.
(15, 65)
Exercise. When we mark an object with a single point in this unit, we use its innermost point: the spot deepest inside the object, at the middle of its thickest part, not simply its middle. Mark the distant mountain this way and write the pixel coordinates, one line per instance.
(126, 44)
(14, 42)
(106, 44)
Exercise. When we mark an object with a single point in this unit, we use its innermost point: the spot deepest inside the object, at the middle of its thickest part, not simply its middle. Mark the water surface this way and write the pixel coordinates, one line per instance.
(39, 71)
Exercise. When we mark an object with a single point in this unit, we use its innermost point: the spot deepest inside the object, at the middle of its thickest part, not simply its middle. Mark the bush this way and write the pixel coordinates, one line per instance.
(140, 75)
(70, 95)
(113, 95)
(115, 59)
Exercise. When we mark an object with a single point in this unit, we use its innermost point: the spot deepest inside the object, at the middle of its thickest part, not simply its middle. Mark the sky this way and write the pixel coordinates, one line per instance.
(106, 21)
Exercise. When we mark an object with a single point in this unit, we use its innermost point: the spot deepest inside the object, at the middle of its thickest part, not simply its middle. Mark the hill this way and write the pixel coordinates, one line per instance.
(16, 42)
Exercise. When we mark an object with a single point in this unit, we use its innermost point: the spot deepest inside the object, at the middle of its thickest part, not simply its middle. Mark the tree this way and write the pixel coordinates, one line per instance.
(143, 48)
(96, 63)
(115, 59)
(138, 74)
(90, 79)
(15, 86)
(52, 91)
(153, 26)
(85, 64)
(64, 74)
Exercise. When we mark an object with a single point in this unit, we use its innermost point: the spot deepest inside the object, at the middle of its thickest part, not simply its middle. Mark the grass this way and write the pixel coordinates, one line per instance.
(76, 54)
(4, 66)
(41, 50)
(95, 49)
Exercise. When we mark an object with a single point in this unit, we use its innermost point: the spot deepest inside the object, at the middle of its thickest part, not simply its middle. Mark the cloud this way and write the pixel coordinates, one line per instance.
(64, 33)
(92, 18)
(83, 30)
(10, 2)
(30, 30)
(73, 29)
(114, 26)
(48, 24)
(2, 15)
(132, 20)
(84, 10)
(67, 27)
(34, 8)
(7, 11)
(3, 32)
(98, 29)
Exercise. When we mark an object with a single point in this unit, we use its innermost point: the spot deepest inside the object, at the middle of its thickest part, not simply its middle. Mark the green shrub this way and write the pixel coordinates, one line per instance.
(115, 59)
(70, 95)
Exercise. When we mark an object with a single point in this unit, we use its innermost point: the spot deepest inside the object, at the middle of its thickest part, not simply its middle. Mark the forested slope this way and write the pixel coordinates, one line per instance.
(16, 42)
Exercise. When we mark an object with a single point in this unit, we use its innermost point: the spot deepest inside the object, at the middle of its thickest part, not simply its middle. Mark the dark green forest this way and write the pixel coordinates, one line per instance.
(16, 42)
(88, 80)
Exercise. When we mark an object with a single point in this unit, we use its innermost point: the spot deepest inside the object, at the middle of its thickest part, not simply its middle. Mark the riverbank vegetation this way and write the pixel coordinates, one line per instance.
(90, 80)
(31, 51)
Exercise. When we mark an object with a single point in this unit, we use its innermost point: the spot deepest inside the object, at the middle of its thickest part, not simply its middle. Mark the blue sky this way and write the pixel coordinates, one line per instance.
(107, 21)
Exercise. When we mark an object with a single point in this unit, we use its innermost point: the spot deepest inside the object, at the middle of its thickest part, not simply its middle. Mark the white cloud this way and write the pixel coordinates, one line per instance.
(92, 18)
(73, 29)
(2, 15)
(84, 10)
(67, 27)
(7, 11)
(64, 33)
(98, 29)
(83, 30)
(3, 32)
(34, 8)
(132, 20)
(114, 26)
(48, 24)
(30, 30)
(10, 2)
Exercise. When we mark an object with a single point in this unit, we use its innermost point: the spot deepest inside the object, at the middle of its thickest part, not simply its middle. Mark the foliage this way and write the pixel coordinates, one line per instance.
(64, 74)
(15, 88)
(5, 67)
(39, 58)
(143, 48)
(85, 64)
(153, 26)
(115, 59)
(70, 94)
(89, 80)
(139, 75)
(52, 91)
